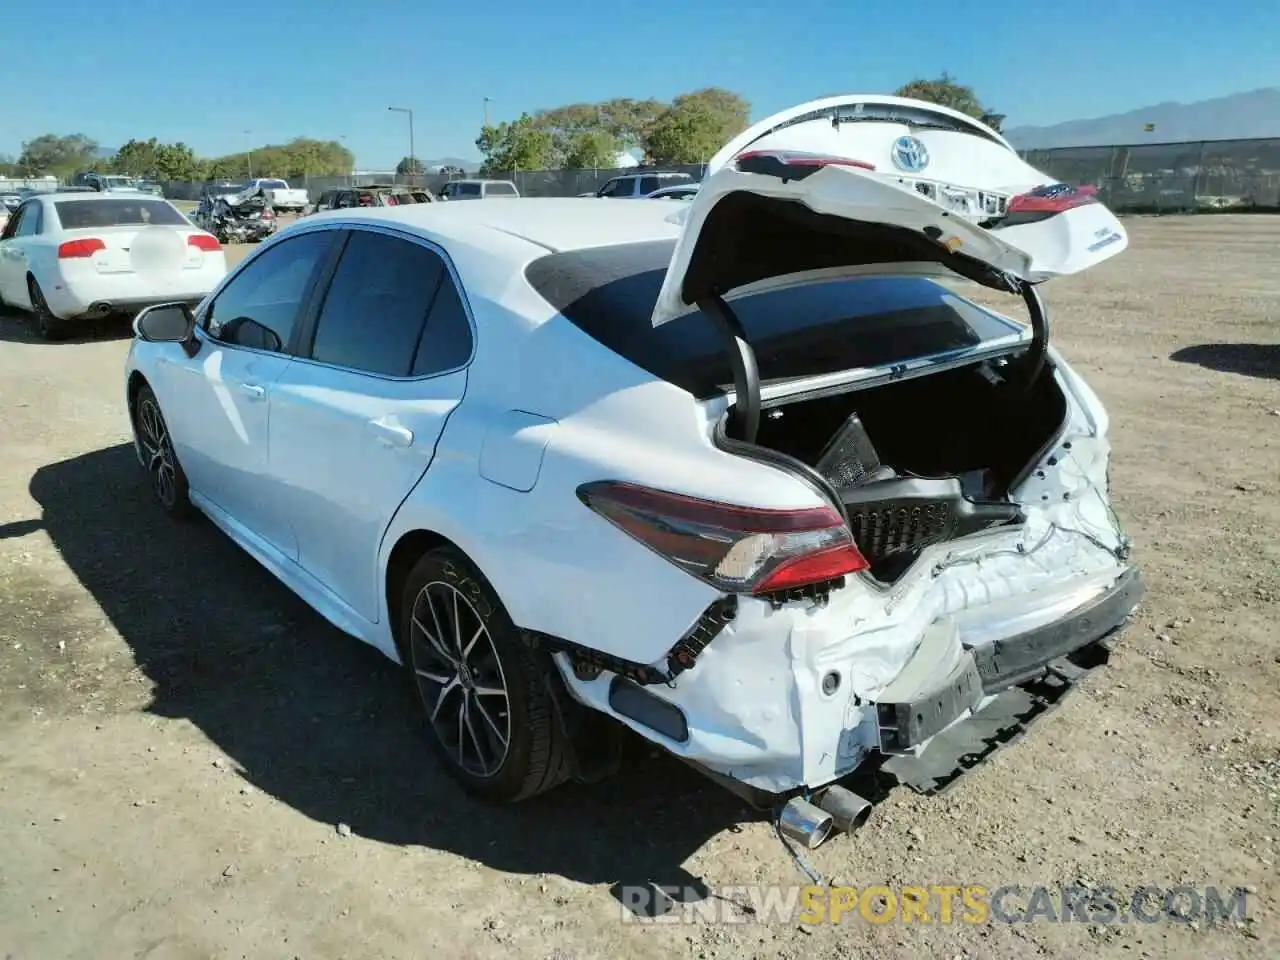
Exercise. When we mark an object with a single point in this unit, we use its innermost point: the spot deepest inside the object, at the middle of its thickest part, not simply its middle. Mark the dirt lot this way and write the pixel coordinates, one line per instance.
(180, 739)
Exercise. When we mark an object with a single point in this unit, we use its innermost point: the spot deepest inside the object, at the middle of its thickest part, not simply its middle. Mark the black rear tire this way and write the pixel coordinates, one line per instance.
(167, 478)
(503, 747)
(48, 326)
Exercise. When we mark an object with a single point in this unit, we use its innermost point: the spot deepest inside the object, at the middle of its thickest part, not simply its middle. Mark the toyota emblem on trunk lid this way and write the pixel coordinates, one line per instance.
(910, 154)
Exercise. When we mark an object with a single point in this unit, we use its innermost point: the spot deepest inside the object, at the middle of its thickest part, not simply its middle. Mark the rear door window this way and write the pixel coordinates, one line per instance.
(376, 307)
(446, 342)
(500, 190)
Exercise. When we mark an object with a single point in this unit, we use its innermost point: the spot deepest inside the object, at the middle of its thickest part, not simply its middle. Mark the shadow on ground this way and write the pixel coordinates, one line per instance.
(326, 724)
(17, 327)
(1260, 360)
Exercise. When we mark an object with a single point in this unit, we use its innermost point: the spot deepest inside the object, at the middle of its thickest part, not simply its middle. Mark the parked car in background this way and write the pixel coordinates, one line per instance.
(151, 187)
(70, 256)
(105, 182)
(636, 185)
(685, 191)
(478, 190)
(759, 485)
(282, 197)
(371, 195)
(10, 201)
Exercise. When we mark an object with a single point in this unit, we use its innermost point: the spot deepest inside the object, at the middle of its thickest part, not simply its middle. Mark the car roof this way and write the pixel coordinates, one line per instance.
(77, 195)
(654, 173)
(554, 224)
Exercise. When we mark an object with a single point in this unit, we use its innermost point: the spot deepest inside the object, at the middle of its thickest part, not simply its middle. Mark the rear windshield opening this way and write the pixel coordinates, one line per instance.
(803, 331)
(79, 214)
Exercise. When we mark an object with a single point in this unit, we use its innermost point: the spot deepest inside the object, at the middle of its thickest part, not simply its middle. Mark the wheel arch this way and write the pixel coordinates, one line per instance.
(136, 382)
(408, 550)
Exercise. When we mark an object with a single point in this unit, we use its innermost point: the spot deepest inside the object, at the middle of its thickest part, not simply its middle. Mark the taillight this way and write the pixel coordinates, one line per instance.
(205, 242)
(1052, 198)
(733, 548)
(78, 249)
(791, 164)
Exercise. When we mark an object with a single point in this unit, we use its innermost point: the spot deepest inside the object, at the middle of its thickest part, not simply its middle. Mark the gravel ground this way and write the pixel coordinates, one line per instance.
(192, 764)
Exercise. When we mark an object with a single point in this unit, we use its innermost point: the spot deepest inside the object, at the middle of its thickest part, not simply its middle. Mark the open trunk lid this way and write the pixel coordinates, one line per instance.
(868, 184)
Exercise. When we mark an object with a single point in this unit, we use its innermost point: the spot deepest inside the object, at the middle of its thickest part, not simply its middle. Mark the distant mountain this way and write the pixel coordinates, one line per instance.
(468, 165)
(1239, 116)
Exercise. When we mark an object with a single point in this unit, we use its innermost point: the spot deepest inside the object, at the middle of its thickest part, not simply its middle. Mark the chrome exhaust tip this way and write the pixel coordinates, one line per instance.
(848, 811)
(804, 823)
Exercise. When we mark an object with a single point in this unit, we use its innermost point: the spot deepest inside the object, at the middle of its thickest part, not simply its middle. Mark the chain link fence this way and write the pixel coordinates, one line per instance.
(1141, 178)
(1193, 177)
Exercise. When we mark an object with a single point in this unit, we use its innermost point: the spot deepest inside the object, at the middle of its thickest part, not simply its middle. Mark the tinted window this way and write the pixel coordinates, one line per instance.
(446, 342)
(116, 212)
(500, 190)
(614, 187)
(649, 184)
(269, 290)
(31, 218)
(374, 312)
(609, 293)
(466, 189)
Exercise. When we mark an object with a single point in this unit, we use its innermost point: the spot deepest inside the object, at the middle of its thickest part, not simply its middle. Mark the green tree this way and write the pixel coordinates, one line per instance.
(298, 159)
(519, 145)
(60, 156)
(592, 149)
(410, 166)
(159, 161)
(8, 166)
(696, 125)
(578, 130)
(946, 92)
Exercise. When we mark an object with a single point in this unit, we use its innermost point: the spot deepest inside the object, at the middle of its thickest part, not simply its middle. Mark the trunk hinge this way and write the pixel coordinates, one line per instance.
(1039, 349)
(744, 415)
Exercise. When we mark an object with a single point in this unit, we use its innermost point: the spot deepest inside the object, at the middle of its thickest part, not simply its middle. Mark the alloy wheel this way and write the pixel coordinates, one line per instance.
(460, 679)
(161, 463)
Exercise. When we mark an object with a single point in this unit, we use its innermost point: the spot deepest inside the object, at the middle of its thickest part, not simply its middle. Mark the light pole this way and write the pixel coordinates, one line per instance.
(249, 154)
(412, 159)
(486, 110)
(342, 137)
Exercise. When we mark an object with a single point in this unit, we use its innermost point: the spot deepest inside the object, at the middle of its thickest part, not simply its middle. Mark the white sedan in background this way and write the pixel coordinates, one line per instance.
(70, 256)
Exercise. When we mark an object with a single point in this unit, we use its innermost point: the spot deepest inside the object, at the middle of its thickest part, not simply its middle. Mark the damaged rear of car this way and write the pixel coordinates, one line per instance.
(937, 552)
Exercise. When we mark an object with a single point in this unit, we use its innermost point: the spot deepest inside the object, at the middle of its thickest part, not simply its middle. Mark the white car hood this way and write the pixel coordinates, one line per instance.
(865, 212)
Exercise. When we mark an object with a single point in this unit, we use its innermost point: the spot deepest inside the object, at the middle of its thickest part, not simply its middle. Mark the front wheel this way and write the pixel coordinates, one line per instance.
(168, 481)
(483, 689)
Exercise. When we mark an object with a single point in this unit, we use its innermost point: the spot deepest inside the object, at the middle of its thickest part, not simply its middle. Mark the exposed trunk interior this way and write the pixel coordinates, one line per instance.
(924, 460)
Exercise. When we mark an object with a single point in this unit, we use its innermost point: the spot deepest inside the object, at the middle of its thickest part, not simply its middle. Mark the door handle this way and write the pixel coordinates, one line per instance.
(392, 434)
(253, 391)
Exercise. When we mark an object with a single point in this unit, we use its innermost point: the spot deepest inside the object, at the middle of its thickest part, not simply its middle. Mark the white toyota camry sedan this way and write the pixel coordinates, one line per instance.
(745, 475)
(69, 256)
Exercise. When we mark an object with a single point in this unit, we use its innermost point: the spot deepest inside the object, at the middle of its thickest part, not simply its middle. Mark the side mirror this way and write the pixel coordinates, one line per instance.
(247, 332)
(168, 323)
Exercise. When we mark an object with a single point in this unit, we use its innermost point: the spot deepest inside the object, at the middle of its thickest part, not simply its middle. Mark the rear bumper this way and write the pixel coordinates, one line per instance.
(987, 670)
(781, 701)
(91, 294)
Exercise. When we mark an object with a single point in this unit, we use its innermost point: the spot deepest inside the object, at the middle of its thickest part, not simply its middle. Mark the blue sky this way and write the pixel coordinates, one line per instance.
(206, 73)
